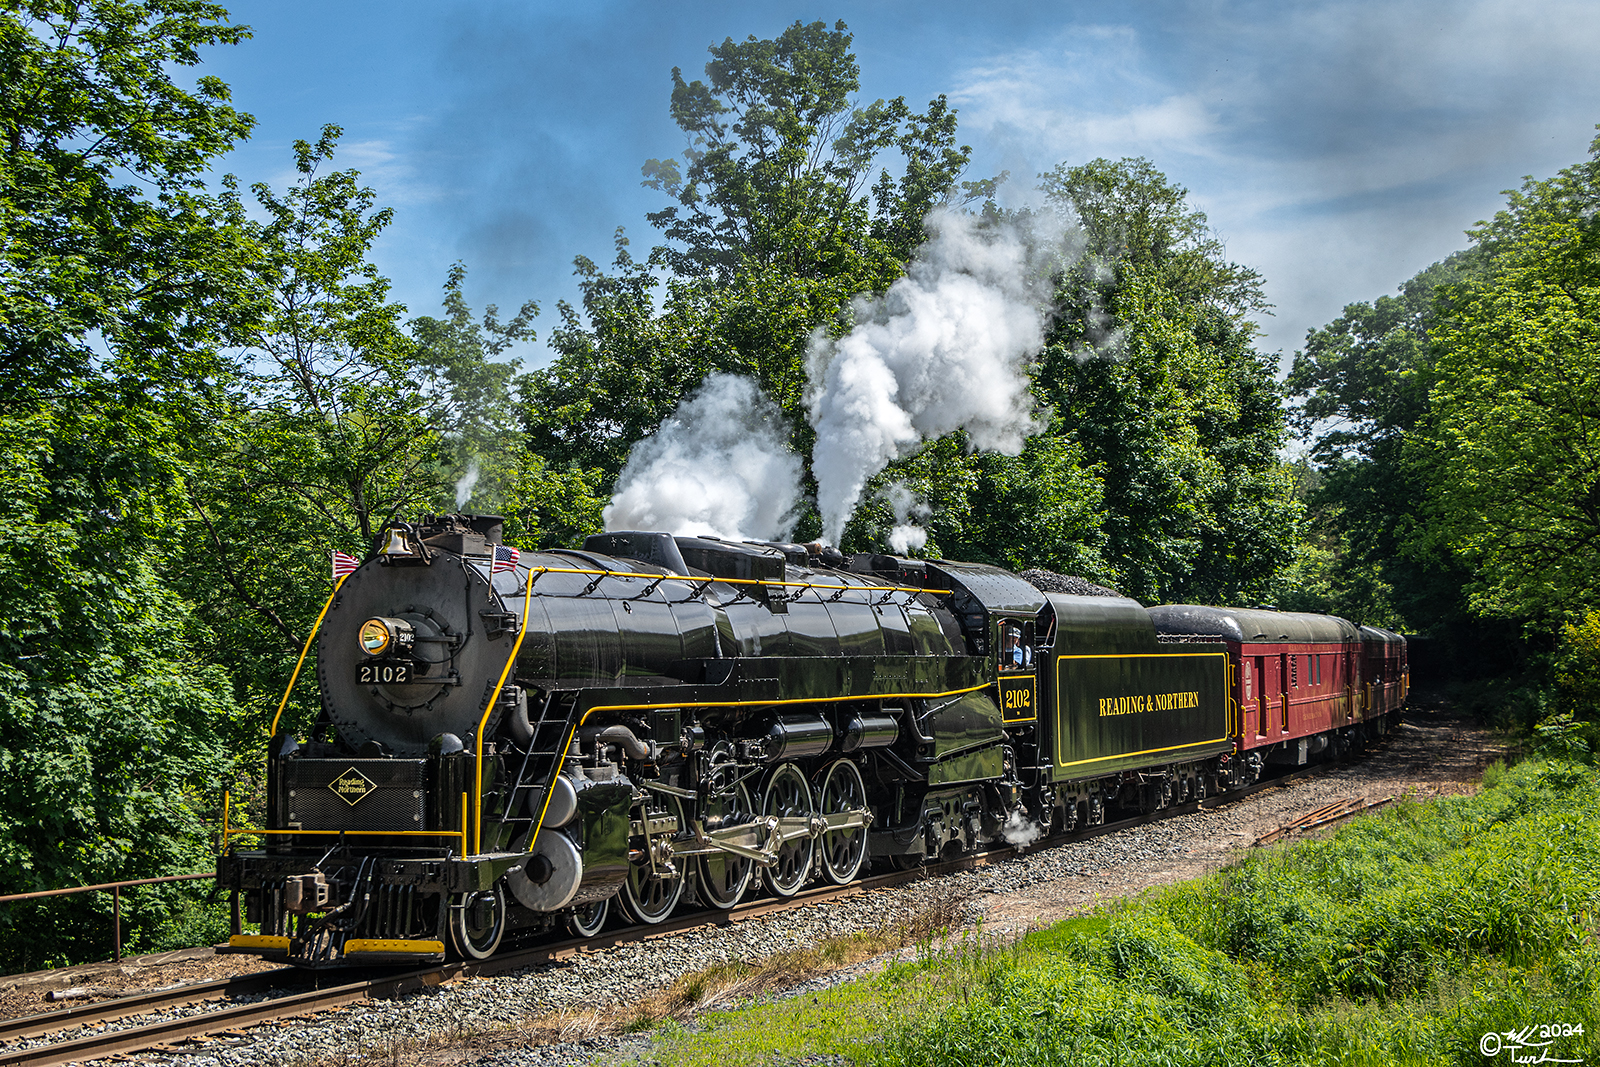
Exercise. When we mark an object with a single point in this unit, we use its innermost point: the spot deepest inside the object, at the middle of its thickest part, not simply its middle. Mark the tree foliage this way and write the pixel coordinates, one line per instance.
(779, 158)
(1514, 442)
(321, 436)
(1453, 426)
(120, 272)
(1364, 381)
(113, 726)
(1151, 370)
(1162, 471)
(774, 231)
(114, 257)
(341, 417)
(1138, 224)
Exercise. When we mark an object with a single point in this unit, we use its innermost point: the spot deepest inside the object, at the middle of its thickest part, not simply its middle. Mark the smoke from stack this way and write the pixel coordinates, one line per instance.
(465, 484)
(946, 348)
(719, 465)
(907, 536)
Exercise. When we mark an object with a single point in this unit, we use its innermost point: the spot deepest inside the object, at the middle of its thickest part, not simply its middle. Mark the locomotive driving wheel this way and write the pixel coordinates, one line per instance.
(478, 922)
(788, 796)
(655, 884)
(843, 849)
(724, 876)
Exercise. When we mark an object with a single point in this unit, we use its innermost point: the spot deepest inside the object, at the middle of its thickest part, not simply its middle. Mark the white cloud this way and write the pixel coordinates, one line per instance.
(1339, 148)
(1093, 93)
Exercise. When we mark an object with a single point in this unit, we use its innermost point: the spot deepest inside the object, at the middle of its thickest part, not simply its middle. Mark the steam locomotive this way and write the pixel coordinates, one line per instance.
(511, 742)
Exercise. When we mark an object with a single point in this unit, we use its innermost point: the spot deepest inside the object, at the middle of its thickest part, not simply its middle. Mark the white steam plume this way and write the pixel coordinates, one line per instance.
(1019, 830)
(946, 348)
(465, 484)
(719, 465)
(907, 536)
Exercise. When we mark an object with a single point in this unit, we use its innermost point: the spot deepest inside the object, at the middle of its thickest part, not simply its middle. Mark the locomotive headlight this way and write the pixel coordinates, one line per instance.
(381, 635)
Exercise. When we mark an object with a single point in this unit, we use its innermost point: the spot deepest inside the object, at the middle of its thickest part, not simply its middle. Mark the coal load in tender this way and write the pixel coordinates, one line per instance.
(1051, 582)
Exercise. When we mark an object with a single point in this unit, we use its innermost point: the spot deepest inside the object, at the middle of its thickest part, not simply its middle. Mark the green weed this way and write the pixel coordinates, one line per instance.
(1402, 939)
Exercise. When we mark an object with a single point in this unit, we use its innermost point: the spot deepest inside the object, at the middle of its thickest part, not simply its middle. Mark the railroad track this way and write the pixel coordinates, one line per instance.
(233, 1020)
(145, 1002)
(1338, 811)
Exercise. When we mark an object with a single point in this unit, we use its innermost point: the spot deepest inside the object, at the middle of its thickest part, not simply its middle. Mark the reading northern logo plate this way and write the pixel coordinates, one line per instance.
(351, 786)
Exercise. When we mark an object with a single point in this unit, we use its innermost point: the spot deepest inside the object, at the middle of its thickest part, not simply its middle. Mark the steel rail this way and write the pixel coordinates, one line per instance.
(189, 1028)
(104, 1011)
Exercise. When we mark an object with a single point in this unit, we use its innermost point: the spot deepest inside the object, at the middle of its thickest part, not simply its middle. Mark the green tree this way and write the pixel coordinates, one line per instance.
(342, 418)
(1364, 382)
(332, 425)
(1513, 449)
(471, 388)
(779, 222)
(120, 278)
(1039, 509)
(544, 503)
(622, 365)
(780, 157)
(113, 728)
(323, 435)
(1151, 371)
(116, 261)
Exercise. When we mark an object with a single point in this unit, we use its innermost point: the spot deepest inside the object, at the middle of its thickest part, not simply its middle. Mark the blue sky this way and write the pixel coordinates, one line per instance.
(1336, 147)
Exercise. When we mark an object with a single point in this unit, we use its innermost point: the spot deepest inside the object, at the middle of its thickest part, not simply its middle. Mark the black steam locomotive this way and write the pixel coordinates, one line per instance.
(509, 742)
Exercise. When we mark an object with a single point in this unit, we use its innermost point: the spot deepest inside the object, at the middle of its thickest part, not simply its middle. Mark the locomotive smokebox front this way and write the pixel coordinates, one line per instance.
(413, 645)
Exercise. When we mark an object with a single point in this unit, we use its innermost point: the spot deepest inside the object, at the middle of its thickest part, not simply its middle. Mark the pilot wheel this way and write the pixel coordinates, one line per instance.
(478, 922)
(585, 920)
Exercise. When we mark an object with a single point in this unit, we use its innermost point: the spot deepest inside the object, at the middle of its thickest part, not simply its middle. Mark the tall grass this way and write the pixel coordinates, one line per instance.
(1402, 939)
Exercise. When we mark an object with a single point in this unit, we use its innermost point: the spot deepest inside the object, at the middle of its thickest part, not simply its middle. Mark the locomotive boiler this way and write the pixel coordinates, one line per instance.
(510, 741)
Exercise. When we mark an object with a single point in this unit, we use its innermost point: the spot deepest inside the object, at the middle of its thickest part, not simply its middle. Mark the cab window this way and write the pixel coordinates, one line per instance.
(1016, 646)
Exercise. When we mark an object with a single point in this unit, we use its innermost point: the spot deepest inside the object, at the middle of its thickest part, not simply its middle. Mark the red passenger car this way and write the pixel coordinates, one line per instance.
(1385, 672)
(1298, 682)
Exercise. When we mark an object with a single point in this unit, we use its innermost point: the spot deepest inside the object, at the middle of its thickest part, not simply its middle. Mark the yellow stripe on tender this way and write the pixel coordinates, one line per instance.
(259, 941)
(380, 944)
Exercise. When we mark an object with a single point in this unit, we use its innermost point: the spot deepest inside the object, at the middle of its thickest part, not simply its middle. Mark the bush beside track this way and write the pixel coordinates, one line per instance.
(1402, 939)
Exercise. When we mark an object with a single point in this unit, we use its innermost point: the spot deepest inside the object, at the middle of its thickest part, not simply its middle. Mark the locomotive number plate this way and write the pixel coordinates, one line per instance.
(379, 673)
(1017, 699)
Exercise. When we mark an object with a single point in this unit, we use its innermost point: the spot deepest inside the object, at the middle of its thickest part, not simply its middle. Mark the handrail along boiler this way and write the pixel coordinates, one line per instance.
(507, 747)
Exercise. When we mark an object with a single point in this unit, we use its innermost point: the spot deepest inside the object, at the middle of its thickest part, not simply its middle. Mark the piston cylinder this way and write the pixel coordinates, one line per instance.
(868, 731)
(798, 736)
(562, 806)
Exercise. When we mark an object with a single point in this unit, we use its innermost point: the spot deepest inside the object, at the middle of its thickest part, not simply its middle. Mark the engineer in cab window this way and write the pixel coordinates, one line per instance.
(1013, 651)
